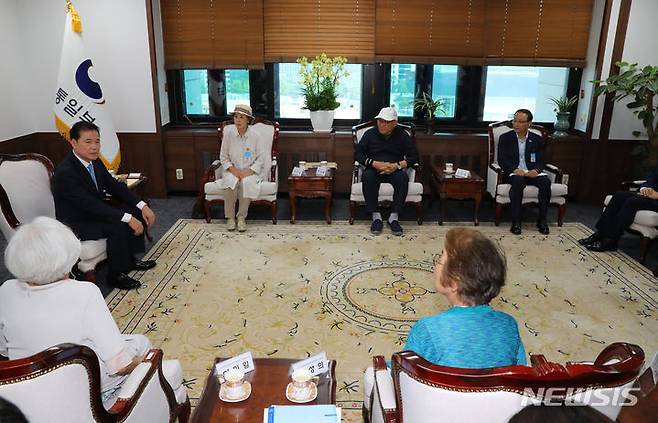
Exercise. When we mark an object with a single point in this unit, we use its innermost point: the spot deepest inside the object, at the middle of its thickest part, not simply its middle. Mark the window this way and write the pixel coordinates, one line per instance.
(214, 92)
(237, 88)
(403, 86)
(289, 99)
(509, 88)
(196, 92)
(444, 86)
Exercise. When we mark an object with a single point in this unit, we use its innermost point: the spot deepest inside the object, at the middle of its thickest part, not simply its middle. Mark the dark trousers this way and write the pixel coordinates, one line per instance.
(122, 244)
(516, 194)
(371, 180)
(620, 213)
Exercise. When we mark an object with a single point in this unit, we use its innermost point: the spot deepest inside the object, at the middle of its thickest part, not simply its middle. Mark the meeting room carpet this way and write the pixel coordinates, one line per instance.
(291, 291)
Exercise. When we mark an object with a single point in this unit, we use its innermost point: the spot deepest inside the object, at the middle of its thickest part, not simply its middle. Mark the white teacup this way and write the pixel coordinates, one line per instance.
(449, 168)
(302, 382)
(302, 164)
(234, 383)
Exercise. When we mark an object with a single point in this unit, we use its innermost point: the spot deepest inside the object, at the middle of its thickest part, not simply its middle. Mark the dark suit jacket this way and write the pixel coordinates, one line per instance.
(78, 201)
(508, 152)
(652, 180)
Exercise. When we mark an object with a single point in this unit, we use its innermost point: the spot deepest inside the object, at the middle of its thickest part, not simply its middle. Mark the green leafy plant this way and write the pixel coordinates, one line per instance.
(641, 84)
(563, 104)
(320, 80)
(430, 107)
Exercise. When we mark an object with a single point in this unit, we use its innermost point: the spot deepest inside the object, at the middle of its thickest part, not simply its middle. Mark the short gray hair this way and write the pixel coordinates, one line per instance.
(42, 251)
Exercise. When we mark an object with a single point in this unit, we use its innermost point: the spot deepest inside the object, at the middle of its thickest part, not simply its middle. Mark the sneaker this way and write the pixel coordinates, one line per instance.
(377, 226)
(242, 225)
(230, 224)
(395, 227)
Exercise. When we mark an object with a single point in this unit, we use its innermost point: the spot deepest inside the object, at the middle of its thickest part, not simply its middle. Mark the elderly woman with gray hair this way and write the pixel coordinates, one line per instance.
(43, 307)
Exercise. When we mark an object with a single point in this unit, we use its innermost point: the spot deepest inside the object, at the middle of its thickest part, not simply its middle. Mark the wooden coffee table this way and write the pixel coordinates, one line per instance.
(450, 187)
(268, 385)
(311, 186)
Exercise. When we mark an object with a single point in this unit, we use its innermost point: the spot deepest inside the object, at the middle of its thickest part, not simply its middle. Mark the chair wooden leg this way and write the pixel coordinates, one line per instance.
(499, 212)
(645, 248)
(352, 211)
(206, 210)
(419, 212)
(184, 412)
(274, 208)
(562, 209)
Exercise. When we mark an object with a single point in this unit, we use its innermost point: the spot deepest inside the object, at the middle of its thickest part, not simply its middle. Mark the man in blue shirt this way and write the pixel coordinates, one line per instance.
(521, 156)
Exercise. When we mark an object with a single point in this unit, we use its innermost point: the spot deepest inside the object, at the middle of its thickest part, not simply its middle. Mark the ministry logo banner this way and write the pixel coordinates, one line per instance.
(79, 97)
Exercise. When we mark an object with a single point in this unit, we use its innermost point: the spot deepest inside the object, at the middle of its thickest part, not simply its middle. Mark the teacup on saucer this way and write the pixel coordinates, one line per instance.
(235, 393)
(301, 396)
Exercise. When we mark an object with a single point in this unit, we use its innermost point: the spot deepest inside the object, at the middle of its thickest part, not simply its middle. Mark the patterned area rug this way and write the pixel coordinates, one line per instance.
(291, 291)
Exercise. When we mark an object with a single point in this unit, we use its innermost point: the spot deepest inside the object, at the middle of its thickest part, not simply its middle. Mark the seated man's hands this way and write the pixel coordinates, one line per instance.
(148, 215)
(136, 225)
(519, 172)
(385, 167)
(532, 173)
(649, 193)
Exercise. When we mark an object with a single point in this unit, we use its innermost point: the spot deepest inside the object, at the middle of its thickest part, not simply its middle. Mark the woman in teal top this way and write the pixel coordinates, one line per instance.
(469, 273)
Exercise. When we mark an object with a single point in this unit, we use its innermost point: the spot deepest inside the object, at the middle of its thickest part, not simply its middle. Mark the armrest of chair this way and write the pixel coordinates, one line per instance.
(385, 390)
(632, 185)
(209, 174)
(418, 175)
(273, 170)
(136, 382)
(551, 168)
(355, 172)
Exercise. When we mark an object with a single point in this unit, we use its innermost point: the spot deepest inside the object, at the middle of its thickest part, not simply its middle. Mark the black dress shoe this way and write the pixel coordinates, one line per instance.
(605, 244)
(596, 236)
(143, 264)
(377, 226)
(542, 226)
(123, 281)
(516, 228)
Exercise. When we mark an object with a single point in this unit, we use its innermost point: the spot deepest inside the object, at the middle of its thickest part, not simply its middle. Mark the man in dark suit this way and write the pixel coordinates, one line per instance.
(80, 185)
(521, 156)
(619, 214)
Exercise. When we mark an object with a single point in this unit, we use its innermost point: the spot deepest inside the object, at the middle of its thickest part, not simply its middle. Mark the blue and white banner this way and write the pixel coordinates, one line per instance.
(79, 96)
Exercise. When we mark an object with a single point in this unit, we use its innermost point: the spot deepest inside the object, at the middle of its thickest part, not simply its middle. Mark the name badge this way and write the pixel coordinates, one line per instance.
(243, 362)
(316, 364)
(533, 157)
(248, 154)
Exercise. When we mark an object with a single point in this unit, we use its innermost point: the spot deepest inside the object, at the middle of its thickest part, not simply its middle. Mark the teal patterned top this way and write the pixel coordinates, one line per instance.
(477, 337)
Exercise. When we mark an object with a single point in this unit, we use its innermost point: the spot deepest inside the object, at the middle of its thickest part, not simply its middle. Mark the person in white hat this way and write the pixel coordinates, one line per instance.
(385, 151)
(242, 161)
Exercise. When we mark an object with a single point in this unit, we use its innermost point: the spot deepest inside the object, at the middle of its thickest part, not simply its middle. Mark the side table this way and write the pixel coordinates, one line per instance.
(309, 185)
(268, 382)
(450, 187)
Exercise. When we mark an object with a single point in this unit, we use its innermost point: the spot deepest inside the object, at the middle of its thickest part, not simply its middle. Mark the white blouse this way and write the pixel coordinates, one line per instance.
(34, 318)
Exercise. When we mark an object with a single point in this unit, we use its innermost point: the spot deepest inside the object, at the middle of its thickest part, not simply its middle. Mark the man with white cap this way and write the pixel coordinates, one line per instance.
(385, 151)
(242, 160)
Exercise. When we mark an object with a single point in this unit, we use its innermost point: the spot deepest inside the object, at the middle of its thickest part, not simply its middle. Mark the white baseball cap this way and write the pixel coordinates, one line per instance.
(387, 113)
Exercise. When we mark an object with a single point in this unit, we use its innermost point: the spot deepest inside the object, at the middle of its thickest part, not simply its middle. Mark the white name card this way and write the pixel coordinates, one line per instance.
(244, 362)
(321, 171)
(462, 173)
(316, 364)
(297, 171)
(134, 175)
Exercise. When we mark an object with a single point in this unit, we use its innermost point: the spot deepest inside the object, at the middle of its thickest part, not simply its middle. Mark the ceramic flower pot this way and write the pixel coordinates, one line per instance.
(322, 120)
(562, 124)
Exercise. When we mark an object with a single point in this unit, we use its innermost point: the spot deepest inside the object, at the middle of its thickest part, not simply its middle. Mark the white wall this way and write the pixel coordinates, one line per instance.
(641, 46)
(16, 116)
(585, 103)
(116, 38)
(160, 63)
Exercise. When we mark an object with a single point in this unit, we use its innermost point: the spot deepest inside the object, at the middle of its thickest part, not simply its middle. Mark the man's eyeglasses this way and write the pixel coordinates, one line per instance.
(520, 121)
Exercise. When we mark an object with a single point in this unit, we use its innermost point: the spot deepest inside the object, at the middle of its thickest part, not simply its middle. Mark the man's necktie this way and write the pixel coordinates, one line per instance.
(90, 169)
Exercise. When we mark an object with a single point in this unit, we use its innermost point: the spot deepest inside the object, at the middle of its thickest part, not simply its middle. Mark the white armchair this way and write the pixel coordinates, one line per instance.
(62, 384)
(645, 222)
(25, 193)
(415, 193)
(211, 192)
(499, 190)
(418, 391)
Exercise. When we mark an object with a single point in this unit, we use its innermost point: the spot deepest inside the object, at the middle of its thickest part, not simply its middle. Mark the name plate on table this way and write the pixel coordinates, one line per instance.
(316, 364)
(297, 171)
(462, 173)
(244, 362)
(321, 171)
